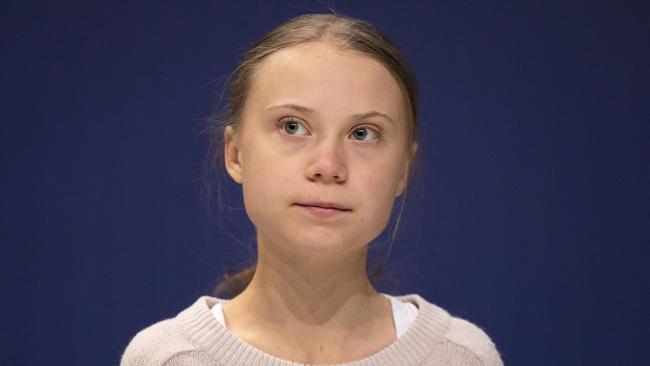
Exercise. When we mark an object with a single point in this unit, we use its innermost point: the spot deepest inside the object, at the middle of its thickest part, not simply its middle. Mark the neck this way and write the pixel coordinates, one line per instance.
(310, 289)
(320, 303)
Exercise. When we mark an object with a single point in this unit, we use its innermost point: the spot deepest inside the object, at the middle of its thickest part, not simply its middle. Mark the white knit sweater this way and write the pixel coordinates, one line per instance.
(195, 338)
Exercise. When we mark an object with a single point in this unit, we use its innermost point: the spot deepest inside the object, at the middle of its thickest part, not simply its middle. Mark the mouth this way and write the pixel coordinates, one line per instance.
(324, 208)
(324, 205)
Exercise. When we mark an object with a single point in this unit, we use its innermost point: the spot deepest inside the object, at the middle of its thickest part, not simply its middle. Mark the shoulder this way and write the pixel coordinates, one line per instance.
(469, 336)
(460, 339)
(156, 345)
(161, 343)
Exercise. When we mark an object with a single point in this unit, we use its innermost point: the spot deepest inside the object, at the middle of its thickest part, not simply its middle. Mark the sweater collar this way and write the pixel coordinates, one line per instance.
(201, 327)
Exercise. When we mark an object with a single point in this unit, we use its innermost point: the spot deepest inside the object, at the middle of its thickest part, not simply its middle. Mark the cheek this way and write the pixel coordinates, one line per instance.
(376, 187)
(382, 177)
(264, 183)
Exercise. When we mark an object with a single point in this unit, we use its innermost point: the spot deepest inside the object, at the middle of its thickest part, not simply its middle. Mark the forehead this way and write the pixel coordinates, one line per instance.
(328, 79)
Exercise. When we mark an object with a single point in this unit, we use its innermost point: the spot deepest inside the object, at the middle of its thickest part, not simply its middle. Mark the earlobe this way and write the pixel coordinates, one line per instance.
(232, 160)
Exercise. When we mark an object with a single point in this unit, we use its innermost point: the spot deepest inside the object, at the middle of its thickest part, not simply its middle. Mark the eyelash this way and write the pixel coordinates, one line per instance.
(281, 123)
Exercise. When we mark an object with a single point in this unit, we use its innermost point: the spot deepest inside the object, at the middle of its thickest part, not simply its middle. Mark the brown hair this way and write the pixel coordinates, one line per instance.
(341, 31)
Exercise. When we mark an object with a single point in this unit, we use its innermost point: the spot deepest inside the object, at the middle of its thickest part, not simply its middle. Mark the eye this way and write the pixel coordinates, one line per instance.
(364, 134)
(293, 127)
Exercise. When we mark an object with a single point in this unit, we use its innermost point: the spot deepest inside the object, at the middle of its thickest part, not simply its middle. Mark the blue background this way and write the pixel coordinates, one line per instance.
(530, 217)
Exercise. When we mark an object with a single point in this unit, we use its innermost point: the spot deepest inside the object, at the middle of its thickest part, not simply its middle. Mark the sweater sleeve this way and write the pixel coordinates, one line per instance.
(156, 345)
(475, 341)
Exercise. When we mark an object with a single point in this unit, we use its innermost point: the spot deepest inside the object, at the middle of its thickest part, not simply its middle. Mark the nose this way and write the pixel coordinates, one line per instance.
(327, 165)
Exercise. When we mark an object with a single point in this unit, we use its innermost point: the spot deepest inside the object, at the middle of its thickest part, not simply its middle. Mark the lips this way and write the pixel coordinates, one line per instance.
(323, 210)
(324, 205)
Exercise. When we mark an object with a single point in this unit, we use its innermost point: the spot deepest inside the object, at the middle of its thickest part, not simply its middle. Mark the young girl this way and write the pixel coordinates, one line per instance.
(321, 134)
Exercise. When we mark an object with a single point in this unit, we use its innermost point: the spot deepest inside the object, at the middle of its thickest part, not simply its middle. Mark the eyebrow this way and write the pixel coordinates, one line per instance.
(308, 110)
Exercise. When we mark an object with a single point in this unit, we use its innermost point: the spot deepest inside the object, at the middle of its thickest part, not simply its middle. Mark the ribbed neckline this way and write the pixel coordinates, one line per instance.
(422, 337)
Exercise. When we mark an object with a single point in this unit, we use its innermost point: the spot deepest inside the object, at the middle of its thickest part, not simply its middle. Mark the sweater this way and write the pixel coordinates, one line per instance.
(196, 338)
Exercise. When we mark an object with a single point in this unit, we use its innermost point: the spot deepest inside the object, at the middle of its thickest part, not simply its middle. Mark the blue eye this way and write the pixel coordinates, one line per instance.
(292, 127)
(364, 134)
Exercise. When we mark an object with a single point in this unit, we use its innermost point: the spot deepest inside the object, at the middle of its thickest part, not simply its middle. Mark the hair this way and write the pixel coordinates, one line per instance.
(341, 31)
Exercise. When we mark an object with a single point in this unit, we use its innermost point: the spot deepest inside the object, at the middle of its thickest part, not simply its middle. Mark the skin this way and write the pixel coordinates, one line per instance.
(311, 289)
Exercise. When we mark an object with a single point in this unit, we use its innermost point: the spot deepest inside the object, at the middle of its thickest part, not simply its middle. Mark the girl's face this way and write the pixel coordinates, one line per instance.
(321, 150)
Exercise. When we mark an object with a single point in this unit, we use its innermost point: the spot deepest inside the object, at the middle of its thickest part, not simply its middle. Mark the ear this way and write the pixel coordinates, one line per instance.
(231, 154)
(406, 172)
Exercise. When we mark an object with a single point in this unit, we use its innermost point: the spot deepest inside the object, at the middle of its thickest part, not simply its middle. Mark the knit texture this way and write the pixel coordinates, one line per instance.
(196, 338)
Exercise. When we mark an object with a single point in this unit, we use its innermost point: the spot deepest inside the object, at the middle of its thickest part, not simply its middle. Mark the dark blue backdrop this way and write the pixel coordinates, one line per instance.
(531, 218)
